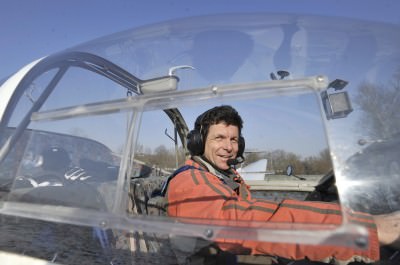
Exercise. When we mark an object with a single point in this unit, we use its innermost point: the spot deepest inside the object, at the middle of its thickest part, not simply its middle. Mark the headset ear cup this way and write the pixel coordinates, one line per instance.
(195, 143)
(241, 146)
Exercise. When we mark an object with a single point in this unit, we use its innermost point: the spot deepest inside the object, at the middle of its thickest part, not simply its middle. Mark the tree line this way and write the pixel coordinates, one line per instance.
(278, 160)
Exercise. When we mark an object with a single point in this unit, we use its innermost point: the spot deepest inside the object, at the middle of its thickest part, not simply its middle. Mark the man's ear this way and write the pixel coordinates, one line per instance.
(242, 146)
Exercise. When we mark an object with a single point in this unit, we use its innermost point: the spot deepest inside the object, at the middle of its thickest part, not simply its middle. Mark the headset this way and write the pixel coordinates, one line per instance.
(195, 141)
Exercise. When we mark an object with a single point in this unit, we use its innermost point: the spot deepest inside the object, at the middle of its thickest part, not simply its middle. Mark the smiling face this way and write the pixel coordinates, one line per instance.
(222, 143)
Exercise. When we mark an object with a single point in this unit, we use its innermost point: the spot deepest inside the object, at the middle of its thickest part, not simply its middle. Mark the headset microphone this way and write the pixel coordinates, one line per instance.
(235, 161)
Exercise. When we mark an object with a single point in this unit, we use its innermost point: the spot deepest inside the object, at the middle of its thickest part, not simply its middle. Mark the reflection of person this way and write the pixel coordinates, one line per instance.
(54, 168)
(208, 187)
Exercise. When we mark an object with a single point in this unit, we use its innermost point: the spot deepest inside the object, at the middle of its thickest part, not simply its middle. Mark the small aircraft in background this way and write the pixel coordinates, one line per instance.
(85, 134)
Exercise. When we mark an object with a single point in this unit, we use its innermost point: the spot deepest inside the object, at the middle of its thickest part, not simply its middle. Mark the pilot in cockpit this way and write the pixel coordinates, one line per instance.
(208, 187)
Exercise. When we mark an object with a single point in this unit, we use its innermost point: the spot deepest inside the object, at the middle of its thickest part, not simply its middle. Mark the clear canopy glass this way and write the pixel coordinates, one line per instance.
(84, 127)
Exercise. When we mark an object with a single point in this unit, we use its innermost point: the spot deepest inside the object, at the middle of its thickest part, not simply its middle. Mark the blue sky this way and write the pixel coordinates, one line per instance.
(31, 29)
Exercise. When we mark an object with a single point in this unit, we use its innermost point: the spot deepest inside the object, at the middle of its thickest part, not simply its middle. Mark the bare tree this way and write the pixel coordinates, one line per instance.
(379, 104)
(253, 156)
(280, 159)
(318, 164)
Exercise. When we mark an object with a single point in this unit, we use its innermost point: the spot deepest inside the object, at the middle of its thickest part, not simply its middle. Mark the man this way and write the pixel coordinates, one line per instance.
(208, 187)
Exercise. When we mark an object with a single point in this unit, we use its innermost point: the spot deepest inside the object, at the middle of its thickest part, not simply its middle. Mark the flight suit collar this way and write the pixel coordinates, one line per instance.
(226, 176)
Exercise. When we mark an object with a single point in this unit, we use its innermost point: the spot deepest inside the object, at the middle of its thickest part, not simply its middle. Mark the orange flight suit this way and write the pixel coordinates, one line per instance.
(218, 200)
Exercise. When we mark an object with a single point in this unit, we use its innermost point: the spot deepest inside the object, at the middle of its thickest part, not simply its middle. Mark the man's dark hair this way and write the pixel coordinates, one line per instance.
(220, 114)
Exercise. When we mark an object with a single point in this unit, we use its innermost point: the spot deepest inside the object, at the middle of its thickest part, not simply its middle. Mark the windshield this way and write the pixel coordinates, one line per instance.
(363, 54)
(92, 132)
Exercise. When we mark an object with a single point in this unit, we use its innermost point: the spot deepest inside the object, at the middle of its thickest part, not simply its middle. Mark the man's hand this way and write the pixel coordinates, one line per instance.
(388, 226)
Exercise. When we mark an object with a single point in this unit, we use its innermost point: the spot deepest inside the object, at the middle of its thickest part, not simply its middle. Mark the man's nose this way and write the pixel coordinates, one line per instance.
(228, 145)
